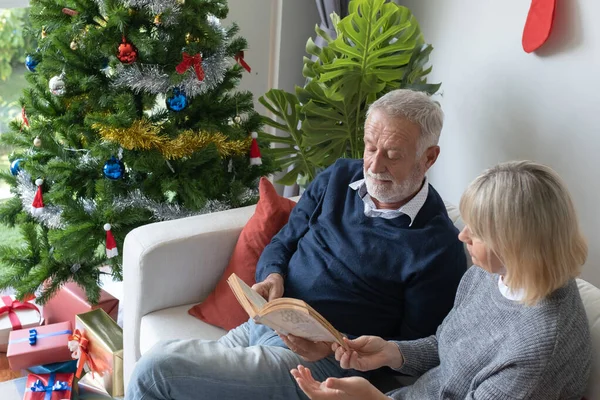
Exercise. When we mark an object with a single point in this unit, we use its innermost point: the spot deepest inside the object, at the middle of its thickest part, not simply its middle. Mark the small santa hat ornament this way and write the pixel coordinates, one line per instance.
(255, 151)
(37, 207)
(111, 244)
(539, 24)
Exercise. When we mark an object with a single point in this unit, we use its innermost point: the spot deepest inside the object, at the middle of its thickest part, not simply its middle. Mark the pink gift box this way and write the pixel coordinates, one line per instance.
(50, 345)
(16, 315)
(59, 386)
(71, 300)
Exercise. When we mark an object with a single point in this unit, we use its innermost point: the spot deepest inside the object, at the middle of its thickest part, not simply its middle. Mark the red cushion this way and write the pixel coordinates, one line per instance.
(272, 212)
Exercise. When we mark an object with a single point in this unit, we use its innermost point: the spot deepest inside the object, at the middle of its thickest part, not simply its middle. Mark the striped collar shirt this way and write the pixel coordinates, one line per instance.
(411, 209)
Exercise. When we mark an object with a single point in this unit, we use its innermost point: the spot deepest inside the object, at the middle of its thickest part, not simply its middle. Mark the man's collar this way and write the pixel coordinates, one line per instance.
(411, 209)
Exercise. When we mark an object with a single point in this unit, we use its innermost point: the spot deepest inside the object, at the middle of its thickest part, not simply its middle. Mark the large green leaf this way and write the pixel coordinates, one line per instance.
(285, 106)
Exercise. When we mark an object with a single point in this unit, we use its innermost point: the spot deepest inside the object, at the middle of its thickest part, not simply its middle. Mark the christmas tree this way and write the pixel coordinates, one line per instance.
(131, 117)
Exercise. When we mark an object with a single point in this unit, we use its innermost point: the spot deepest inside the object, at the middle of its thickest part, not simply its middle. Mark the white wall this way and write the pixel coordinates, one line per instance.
(503, 104)
(276, 31)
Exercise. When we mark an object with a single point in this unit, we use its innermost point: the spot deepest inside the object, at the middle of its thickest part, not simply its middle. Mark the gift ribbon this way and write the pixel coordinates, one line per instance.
(10, 306)
(239, 57)
(33, 336)
(188, 61)
(84, 356)
(58, 386)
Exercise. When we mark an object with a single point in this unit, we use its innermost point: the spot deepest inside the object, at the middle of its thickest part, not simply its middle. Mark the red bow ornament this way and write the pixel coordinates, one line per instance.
(11, 306)
(79, 346)
(188, 61)
(24, 116)
(239, 58)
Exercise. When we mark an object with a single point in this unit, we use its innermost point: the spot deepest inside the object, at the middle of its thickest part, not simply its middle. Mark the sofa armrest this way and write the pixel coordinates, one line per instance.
(172, 263)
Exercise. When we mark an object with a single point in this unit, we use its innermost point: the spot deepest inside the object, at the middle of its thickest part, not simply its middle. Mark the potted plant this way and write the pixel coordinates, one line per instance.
(379, 47)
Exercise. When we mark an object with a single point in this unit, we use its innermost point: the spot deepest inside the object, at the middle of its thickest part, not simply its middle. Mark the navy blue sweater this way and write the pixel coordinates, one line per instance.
(367, 275)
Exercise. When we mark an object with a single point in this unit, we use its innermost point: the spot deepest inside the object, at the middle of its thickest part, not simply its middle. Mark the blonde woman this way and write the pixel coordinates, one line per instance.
(518, 329)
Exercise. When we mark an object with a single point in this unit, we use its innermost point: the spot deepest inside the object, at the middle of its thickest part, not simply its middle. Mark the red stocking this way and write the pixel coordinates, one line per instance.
(539, 24)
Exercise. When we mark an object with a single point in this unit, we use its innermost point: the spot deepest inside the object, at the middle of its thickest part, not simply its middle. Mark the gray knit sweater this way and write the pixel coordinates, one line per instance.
(490, 347)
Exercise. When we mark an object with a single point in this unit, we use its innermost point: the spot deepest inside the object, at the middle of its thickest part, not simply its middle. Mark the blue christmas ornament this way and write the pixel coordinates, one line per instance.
(31, 63)
(178, 101)
(15, 166)
(113, 169)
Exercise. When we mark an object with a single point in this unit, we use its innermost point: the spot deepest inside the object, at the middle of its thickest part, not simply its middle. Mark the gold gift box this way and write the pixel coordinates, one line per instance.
(105, 349)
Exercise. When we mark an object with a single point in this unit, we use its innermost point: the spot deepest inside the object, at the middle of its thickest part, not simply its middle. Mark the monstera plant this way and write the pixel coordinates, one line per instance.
(378, 48)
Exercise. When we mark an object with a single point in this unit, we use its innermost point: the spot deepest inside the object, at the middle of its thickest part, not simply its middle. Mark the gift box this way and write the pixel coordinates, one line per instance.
(59, 367)
(15, 315)
(49, 387)
(91, 389)
(39, 345)
(97, 342)
(71, 300)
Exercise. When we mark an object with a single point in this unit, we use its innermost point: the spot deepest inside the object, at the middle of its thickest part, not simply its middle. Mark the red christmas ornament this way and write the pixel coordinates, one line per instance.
(239, 58)
(111, 244)
(127, 53)
(539, 24)
(188, 61)
(37, 207)
(255, 158)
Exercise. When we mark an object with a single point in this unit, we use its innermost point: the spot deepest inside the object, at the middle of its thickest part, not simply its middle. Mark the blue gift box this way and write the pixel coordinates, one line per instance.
(66, 367)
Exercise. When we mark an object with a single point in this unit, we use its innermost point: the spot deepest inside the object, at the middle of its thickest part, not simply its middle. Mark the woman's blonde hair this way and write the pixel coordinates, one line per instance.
(523, 212)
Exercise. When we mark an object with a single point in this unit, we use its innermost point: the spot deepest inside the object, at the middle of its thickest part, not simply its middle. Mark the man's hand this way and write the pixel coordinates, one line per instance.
(271, 288)
(367, 353)
(354, 388)
(309, 351)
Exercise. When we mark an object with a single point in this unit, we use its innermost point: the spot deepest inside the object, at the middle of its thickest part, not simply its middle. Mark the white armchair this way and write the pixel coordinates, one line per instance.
(170, 266)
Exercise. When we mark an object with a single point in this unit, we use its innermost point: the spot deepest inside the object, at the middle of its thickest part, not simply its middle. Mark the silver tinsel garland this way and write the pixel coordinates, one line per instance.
(164, 211)
(51, 215)
(156, 6)
(151, 78)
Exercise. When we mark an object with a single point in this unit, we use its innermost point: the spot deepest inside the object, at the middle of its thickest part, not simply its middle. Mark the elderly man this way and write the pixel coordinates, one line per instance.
(369, 245)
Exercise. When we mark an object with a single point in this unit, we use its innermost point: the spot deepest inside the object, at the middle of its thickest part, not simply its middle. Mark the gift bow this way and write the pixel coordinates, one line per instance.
(239, 57)
(58, 386)
(189, 61)
(78, 344)
(32, 337)
(11, 306)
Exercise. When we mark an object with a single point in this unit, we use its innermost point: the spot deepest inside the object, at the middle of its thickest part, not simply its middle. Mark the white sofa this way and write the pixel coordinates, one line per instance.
(170, 266)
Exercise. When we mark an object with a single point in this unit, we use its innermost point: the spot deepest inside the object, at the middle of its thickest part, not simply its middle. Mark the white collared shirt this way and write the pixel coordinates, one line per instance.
(411, 209)
(514, 295)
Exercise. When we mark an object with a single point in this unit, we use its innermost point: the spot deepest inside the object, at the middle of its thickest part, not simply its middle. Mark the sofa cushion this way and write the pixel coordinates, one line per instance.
(174, 323)
(590, 295)
(272, 212)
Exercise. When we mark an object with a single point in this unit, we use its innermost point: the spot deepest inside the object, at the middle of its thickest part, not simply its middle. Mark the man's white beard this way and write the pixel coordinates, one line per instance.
(392, 192)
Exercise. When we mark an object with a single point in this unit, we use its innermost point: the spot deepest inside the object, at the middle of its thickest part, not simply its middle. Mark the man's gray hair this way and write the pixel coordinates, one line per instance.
(416, 107)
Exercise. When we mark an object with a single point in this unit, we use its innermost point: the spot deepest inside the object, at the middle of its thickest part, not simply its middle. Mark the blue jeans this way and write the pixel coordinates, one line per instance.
(234, 367)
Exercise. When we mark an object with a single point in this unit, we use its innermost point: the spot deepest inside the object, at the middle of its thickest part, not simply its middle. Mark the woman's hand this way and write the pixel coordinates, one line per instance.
(367, 353)
(309, 351)
(354, 388)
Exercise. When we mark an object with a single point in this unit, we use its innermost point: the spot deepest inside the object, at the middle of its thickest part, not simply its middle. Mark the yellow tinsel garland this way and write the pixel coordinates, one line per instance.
(142, 135)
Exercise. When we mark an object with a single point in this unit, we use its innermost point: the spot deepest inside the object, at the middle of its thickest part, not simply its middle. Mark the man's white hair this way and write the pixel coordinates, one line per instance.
(416, 107)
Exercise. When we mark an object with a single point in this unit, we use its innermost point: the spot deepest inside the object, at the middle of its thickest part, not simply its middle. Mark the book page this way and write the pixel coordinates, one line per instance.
(292, 321)
(250, 301)
(256, 299)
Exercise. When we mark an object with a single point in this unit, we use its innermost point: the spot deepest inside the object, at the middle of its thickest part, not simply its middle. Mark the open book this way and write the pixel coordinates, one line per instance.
(284, 315)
